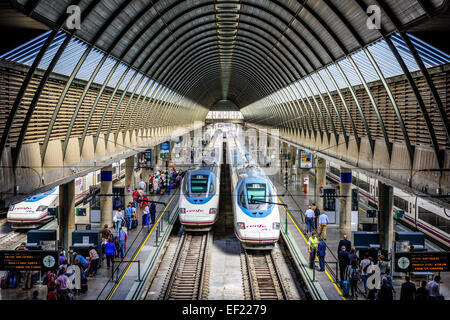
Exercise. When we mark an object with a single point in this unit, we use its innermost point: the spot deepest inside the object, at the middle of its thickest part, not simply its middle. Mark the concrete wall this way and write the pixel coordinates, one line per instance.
(34, 173)
(397, 167)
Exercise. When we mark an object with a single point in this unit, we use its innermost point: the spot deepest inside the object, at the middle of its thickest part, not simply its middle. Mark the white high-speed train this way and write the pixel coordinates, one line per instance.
(40, 209)
(420, 214)
(34, 211)
(256, 218)
(199, 195)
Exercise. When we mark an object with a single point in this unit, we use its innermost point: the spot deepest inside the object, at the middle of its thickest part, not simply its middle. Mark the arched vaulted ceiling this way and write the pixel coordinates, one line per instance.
(236, 50)
(245, 51)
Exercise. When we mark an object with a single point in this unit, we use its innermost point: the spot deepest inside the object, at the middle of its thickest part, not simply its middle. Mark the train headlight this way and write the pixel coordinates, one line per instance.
(41, 208)
(182, 210)
(212, 211)
(241, 225)
(276, 226)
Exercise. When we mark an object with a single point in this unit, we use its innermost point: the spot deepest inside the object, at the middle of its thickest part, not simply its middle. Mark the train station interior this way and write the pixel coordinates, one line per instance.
(225, 150)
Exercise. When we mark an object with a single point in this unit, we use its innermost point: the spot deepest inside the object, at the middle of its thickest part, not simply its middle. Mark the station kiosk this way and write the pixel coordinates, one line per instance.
(83, 239)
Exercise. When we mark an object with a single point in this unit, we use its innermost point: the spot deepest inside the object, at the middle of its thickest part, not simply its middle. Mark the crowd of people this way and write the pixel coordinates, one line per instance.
(354, 270)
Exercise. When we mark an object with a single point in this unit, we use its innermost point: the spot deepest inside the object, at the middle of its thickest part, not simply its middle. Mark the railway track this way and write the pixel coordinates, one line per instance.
(9, 239)
(187, 278)
(262, 277)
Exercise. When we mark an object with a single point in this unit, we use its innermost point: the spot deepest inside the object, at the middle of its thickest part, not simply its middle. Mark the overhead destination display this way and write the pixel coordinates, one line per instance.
(32, 260)
(422, 261)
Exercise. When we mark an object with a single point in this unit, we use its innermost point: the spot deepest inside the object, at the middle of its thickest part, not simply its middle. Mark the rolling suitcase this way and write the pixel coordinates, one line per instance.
(346, 288)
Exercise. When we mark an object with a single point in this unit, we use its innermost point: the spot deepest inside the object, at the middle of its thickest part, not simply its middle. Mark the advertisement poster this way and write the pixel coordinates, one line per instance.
(305, 159)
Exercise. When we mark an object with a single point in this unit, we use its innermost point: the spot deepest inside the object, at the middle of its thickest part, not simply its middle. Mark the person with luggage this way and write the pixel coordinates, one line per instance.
(153, 212)
(110, 252)
(321, 252)
(146, 217)
(352, 276)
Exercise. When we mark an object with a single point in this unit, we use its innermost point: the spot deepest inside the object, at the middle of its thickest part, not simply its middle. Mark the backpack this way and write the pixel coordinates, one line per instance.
(353, 274)
(367, 266)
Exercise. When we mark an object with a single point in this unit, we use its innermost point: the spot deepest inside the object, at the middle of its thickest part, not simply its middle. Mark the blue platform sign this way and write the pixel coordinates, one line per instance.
(165, 146)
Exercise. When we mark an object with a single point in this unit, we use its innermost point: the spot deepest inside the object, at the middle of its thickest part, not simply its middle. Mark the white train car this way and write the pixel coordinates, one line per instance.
(256, 217)
(34, 211)
(420, 214)
(200, 192)
(40, 209)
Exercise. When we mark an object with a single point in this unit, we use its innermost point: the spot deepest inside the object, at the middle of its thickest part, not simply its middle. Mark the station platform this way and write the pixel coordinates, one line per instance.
(115, 283)
(296, 229)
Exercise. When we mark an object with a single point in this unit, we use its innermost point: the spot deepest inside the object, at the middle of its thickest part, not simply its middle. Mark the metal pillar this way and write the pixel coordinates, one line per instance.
(345, 200)
(66, 213)
(320, 180)
(385, 215)
(129, 179)
(106, 202)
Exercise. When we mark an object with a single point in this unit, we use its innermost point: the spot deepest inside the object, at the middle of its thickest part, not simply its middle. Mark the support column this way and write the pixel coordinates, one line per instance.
(66, 213)
(385, 215)
(145, 177)
(106, 202)
(129, 180)
(345, 200)
(321, 166)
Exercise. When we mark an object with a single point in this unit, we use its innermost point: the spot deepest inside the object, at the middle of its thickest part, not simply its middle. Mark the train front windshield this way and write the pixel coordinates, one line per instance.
(257, 195)
(198, 185)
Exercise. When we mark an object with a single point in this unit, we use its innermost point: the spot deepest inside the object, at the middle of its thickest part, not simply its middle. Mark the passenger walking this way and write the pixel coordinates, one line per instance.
(312, 248)
(365, 263)
(323, 222)
(346, 243)
(93, 260)
(118, 218)
(321, 252)
(110, 252)
(122, 237)
(382, 264)
(389, 279)
(51, 286)
(83, 261)
(422, 294)
(352, 255)
(62, 285)
(434, 289)
(153, 212)
(343, 262)
(353, 277)
(385, 292)
(408, 291)
(61, 257)
(309, 218)
(135, 197)
(316, 218)
(129, 216)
